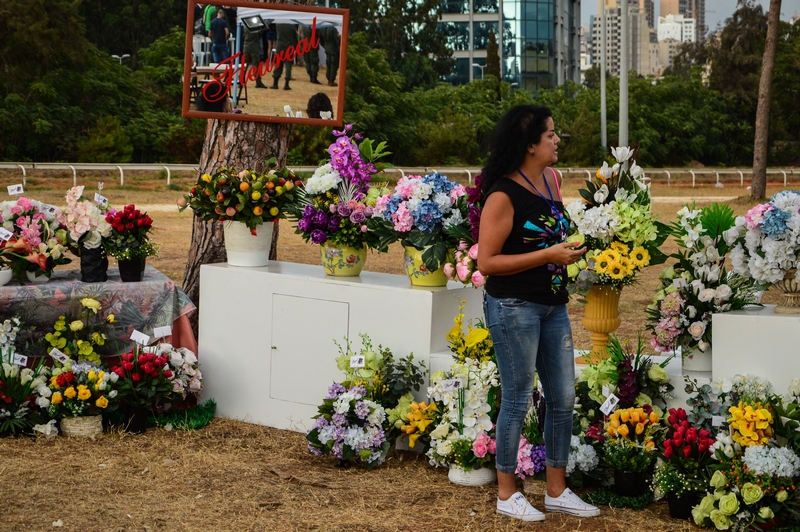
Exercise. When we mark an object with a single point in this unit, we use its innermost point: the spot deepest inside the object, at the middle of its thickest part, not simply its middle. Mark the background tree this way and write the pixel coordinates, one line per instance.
(492, 57)
(759, 186)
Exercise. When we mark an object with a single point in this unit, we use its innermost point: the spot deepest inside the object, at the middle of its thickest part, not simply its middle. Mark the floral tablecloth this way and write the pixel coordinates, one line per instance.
(155, 302)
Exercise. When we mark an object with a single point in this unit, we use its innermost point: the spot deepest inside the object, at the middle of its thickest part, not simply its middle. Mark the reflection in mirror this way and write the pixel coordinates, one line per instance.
(265, 62)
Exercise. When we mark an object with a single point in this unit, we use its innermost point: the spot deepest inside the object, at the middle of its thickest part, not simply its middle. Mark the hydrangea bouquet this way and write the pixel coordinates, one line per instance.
(336, 202)
(615, 221)
(428, 213)
(37, 243)
(697, 285)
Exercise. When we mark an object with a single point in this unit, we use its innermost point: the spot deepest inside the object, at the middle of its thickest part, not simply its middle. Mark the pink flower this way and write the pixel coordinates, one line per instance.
(755, 216)
(492, 446)
(479, 448)
(402, 218)
(462, 245)
(473, 252)
(380, 205)
(478, 279)
(457, 192)
(449, 269)
(463, 272)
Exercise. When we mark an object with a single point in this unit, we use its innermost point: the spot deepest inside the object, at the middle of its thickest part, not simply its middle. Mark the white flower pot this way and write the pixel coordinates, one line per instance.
(243, 248)
(5, 276)
(474, 477)
(697, 360)
(37, 277)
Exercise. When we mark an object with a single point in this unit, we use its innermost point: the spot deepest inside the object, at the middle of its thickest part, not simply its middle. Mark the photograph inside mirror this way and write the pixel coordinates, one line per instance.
(269, 63)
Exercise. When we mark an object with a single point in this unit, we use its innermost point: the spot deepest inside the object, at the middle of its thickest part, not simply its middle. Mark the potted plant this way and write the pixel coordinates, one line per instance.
(145, 380)
(429, 215)
(632, 436)
(79, 393)
(129, 241)
(333, 207)
(79, 336)
(244, 200)
(697, 286)
(87, 227)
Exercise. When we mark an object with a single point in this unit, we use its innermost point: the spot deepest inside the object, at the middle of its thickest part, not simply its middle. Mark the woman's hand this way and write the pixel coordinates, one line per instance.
(566, 253)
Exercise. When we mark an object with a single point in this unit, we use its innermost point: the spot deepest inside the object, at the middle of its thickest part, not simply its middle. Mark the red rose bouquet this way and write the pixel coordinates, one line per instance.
(144, 379)
(130, 234)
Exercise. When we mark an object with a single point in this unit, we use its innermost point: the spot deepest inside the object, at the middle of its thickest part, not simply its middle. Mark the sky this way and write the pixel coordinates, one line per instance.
(716, 10)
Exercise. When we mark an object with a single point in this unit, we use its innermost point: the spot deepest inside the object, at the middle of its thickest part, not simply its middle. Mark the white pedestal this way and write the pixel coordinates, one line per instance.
(759, 342)
(266, 334)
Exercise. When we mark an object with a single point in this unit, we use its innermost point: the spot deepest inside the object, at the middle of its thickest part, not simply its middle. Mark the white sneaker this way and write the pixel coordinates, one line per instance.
(569, 503)
(518, 507)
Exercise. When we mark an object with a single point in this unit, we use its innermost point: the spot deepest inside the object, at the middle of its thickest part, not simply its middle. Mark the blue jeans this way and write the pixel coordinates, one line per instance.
(220, 52)
(530, 337)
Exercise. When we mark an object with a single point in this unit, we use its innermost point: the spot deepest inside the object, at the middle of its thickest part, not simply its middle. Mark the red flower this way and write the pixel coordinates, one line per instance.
(135, 377)
(687, 451)
(61, 380)
(129, 226)
(168, 374)
(668, 452)
(128, 366)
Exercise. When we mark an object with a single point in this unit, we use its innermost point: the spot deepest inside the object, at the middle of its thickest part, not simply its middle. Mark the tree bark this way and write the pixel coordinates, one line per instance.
(758, 188)
(234, 144)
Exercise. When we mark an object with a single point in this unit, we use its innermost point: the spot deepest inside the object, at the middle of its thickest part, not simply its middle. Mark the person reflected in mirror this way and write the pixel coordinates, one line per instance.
(213, 98)
(331, 42)
(318, 104)
(312, 57)
(287, 38)
(219, 33)
(269, 40)
(252, 52)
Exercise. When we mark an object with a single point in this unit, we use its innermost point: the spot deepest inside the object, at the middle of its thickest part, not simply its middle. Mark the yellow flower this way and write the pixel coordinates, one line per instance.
(476, 336)
(601, 263)
(206, 178)
(640, 257)
(56, 398)
(70, 393)
(101, 402)
(91, 375)
(84, 393)
(110, 318)
(623, 431)
(612, 254)
(76, 325)
(91, 304)
(620, 247)
(616, 271)
(54, 381)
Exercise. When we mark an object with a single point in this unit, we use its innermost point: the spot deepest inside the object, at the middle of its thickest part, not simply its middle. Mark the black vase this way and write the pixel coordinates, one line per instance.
(131, 271)
(681, 507)
(630, 484)
(137, 419)
(94, 265)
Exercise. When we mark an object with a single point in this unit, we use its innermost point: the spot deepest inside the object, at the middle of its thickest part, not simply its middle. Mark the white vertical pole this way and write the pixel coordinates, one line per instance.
(623, 73)
(603, 117)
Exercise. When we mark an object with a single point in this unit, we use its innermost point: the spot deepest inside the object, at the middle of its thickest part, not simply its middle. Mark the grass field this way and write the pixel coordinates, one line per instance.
(237, 476)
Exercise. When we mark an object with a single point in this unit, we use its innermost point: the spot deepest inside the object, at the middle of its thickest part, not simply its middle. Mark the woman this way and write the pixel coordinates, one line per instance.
(524, 254)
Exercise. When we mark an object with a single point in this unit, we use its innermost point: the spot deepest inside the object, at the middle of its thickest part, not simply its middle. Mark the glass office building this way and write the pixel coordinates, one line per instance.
(539, 44)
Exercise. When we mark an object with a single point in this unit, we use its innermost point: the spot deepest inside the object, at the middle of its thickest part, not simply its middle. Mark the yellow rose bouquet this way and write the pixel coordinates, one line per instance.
(79, 337)
(80, 389)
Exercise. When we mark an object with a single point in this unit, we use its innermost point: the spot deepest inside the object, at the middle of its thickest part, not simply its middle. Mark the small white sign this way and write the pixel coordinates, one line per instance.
(100, 199)
(20, 360)
(717, 421)
(15, 190)
(48, 209)
(451, 385)
(608, 406)
(140, 338)
(679, 282)
(357, 361)
(606, 390)
(161, 332)
(5, 234)
(56, 354)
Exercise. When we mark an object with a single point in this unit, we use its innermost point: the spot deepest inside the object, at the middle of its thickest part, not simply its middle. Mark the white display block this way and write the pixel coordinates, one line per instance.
(757, 341)
(266, 341)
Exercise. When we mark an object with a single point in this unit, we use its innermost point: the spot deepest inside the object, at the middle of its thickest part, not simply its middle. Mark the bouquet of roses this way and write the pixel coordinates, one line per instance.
(129, 238)
(79, 336)
(80, 389)
(349, 426)
(336, 201)
(144, 379)
(698, 285)
(615, 221)
(187, 378)
(37, 242)
(428, 213)
(464, 267)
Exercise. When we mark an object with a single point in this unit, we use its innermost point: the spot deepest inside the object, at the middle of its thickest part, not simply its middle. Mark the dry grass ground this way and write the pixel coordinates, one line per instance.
(237, 476)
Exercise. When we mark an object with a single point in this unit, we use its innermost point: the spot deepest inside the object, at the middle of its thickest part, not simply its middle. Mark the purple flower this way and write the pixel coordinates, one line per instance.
(335, 390)
(334, 222)
(357, 217)
(308, 211)
(321, 423)
(305, 224)
(358, 391)
(339, 420)
(361, 410)
(318, 236)
(332, 208)
(314, 450)
(320, 220)
(343, 210)
(368, 211)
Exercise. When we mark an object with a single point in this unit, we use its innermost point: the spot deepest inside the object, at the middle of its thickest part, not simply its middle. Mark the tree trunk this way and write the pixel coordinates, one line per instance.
(235, 144)
(760, 150)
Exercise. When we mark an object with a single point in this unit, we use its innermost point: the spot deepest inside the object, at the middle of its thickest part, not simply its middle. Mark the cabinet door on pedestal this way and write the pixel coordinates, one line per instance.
(303, 354)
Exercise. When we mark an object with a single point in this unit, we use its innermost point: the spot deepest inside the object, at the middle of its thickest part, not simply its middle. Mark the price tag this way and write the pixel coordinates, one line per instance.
(451, 385)
(606, 390)
(140, 338)
(357, 361)
(48, 209)
(679, 282)
(100, 199)
(161, 332)
(5, 234)
(608, 406)
(56, 354)
(20, 360)
(717, 421)
(14, 190)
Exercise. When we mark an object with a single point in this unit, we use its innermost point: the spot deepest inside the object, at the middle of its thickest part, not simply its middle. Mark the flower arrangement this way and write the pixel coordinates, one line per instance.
(464, 436)
(531, 457)
(764, 241)
(632, 435)
(428, 213)
(38, 243)
(84, 221)
(79, 389)
(335, 204)
(245, 196)
(418, 423)
(687, 452)
(144, 379)
(18, 385)
(464, 267)
(349, 426)
(698, 285)
(79, 336)
(476, 344)
(129, 238)
(615, 220)
(186, 376)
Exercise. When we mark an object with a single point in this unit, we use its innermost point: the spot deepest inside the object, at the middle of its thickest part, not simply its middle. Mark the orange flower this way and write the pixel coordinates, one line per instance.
(623, 431)
(639, 428)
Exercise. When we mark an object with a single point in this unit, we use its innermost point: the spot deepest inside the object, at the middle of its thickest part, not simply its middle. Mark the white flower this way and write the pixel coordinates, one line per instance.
(691, 312)
(705, 295)
(112, 394)
(622, 153)
(721, 385)
(794, 388)
(325, 178)
(42, 402)
(601, 194)
(723, 292)
(703, 346)
(93, 241)
(608, 171)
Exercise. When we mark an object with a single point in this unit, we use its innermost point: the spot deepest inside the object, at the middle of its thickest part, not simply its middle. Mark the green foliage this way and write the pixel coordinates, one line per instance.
(106, 141)
(606, 497)
(492, 57)
(193, 418)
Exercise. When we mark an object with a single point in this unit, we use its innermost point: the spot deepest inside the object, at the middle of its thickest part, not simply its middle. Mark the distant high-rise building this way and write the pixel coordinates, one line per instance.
(694, 9)
(642, 38)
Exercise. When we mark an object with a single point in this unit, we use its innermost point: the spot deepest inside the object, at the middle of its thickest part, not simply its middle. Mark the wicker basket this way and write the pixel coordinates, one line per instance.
(82, 426)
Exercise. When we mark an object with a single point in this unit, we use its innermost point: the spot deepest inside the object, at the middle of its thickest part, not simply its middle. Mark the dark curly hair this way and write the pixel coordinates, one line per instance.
(318, 103)
(520, 127)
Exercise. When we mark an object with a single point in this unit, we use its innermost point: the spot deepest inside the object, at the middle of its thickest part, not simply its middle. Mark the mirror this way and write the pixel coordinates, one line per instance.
(265, 62)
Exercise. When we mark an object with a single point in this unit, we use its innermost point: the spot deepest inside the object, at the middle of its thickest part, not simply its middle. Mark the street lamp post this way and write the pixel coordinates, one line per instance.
(121, 57)
(482, 67)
